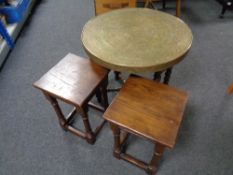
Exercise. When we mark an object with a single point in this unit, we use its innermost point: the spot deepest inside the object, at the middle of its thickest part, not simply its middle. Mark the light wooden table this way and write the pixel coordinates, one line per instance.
(136, 40)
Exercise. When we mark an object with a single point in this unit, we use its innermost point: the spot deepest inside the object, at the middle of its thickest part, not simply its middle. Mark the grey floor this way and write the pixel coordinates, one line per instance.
(31, 141)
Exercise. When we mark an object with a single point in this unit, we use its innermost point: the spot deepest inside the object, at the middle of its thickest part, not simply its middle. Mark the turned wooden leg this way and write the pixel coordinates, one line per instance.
(117, 75)
(146, 3)
(117, 145)
(164, 4)
(157, 76)
(98, 95)
(149, 2)
(158, 152)
(90, 137)
(104, 94)
(178, 7)
(57, 109)
(167, 76)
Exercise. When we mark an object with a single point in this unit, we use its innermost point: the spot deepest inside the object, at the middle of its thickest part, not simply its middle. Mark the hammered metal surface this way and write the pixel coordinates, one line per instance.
(136, 40)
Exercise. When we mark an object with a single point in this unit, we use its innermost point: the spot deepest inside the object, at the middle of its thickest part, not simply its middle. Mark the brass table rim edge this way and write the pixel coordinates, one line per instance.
(152, 68)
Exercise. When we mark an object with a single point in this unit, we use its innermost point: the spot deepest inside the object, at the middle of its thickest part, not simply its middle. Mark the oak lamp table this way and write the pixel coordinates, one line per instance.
(75, 80)
(150, 110)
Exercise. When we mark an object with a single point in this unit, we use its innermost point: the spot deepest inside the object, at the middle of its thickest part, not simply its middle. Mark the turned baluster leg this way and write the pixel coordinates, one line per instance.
(117, 145)
(158, 151)
(98, 95)
(164, 4)
(57, 109)
(167, 76)
(178, 7)
(117, 75)
(104, 94)
(157, 76)
(147, 3)
(89, 133)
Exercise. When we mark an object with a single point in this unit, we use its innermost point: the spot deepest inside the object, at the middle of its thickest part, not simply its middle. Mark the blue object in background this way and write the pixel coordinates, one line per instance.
(14, 13)
(5, 35)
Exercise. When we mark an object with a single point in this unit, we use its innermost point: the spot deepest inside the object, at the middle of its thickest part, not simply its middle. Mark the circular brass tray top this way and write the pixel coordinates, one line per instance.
(136, 40)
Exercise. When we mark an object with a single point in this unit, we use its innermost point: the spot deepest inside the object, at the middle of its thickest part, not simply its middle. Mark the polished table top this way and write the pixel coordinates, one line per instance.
(136, 40)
